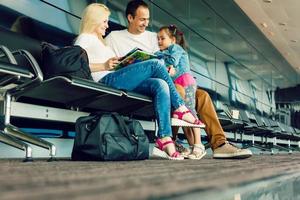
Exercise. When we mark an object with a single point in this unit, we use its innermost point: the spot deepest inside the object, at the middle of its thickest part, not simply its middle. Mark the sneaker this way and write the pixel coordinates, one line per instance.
(198, 152)
(228, 150)
(182, 150)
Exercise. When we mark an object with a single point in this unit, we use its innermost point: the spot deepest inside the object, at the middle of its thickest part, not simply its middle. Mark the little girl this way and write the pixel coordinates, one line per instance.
(172, 49)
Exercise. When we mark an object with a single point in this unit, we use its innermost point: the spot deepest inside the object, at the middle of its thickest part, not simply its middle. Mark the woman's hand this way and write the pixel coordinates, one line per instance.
(111, 63)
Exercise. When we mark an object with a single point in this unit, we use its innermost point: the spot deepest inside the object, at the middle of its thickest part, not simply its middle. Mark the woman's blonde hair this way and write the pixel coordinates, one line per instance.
(92, 16)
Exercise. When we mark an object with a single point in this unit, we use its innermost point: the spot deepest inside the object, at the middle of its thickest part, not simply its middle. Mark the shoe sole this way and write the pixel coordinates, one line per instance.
(198, 158)
(159, 154)
(226, 156)
(185, 156)
(181, 123)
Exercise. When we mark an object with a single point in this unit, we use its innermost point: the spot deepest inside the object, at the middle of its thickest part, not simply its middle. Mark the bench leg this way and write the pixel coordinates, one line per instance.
(15, 132)
(263, 146)
(11, 141)
(281, 148)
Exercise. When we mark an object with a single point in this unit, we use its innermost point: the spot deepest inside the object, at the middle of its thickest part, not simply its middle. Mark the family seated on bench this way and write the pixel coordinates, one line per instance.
(152, 78)
(121, 42)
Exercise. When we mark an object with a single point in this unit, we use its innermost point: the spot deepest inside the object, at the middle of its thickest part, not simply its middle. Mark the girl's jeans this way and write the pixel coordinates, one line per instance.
(149, 78)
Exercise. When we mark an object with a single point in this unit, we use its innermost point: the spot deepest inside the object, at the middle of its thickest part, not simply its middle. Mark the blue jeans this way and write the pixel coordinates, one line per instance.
(152, 79)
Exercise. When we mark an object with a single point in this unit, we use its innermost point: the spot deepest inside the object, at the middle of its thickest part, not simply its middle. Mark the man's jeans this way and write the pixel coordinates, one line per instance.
(152, 79)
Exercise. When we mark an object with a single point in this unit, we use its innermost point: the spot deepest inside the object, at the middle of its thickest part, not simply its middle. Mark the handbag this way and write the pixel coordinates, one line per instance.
(109, 137)
(67, 61)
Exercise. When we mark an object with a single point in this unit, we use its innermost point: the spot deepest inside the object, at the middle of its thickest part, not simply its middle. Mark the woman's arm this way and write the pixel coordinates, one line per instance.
(108, 65)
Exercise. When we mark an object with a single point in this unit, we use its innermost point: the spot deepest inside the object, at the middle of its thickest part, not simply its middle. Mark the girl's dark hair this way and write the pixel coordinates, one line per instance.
(133, 5)
(173, 31)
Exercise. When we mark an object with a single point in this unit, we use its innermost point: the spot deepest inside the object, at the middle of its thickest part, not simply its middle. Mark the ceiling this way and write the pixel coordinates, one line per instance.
(279, 21)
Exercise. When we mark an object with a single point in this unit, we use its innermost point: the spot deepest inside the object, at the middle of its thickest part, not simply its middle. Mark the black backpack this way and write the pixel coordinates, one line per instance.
(67, 61)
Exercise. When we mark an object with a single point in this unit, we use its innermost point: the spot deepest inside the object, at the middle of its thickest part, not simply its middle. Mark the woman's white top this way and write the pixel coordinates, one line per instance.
(97, 52)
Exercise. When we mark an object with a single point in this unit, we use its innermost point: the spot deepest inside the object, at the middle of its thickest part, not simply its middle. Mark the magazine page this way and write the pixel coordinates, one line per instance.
(134, 56)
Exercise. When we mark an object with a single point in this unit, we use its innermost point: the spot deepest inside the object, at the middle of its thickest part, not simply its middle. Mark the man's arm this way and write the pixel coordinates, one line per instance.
(154, 42)
(110, 41)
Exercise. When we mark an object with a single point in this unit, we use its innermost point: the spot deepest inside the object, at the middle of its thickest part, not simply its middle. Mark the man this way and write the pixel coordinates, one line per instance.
(136, 35)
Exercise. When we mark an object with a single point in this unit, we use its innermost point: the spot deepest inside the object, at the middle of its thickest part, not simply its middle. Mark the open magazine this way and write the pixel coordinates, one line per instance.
(134, 56)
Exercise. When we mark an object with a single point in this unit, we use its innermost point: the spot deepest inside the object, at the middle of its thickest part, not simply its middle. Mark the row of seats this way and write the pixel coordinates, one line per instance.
(231, 93)
(249, 123)
(22, 80)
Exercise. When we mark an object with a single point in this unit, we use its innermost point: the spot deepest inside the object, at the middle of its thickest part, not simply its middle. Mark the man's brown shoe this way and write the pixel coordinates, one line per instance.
(228, 150)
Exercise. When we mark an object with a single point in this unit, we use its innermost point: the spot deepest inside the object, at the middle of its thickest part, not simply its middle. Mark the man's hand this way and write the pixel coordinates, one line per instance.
(171, 70)
(111, 63)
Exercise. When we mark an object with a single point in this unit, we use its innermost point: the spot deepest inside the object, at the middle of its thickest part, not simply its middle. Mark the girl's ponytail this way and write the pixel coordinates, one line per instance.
(173, 31)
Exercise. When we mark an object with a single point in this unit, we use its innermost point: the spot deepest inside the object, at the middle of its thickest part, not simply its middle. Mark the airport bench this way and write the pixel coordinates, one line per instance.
(64, 92)
(10, 74)
(68, 93)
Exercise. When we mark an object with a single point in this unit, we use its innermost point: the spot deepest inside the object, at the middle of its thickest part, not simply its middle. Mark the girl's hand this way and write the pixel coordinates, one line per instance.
(171, 70)
(111, 63)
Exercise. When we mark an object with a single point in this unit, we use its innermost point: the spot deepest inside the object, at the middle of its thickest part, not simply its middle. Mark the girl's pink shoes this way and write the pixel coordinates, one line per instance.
(177, 120)
(159, 151)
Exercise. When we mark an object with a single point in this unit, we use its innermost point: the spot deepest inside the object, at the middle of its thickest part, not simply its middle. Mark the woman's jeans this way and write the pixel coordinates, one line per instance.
(152, 79)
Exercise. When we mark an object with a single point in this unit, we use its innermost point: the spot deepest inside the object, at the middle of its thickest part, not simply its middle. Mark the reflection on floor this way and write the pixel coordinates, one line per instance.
(260, 177)
(283, 186)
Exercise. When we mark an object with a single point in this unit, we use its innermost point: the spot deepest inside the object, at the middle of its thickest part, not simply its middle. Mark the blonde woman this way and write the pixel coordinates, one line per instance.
(149, 77)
